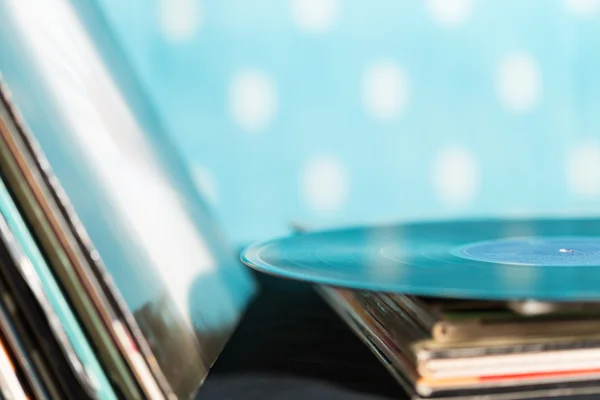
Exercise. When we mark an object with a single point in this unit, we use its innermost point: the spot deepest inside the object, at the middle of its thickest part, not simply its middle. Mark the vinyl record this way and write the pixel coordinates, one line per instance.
(549, 259)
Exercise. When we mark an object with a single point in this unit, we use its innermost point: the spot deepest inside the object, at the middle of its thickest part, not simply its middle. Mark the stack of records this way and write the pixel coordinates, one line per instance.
(475, 309)
(442, 348)
(114, 281)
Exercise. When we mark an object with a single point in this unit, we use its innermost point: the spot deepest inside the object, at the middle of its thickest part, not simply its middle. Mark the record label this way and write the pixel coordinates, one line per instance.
(568, 251)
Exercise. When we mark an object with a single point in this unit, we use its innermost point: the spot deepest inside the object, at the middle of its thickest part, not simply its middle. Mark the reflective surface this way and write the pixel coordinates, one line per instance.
(153, 247)
(542, 258)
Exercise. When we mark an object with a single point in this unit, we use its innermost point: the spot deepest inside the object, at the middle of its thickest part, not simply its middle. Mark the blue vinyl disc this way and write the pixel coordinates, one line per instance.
(544, 259)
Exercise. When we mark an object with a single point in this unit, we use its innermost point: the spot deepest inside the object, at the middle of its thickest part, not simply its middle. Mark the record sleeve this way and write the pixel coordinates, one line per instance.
(61, 372)
(29, 254)
(160, 273)
(31, 191)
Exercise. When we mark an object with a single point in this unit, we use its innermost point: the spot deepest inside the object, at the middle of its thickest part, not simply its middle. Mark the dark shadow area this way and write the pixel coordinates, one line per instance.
(290, 344)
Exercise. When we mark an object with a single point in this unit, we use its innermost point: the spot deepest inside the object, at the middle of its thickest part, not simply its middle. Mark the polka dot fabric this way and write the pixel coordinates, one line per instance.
(337, 112)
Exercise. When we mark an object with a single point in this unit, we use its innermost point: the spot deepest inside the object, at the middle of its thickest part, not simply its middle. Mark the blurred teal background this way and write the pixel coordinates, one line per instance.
(333, 112)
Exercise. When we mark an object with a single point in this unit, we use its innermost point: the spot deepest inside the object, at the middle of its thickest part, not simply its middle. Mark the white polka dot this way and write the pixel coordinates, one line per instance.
(179, 19)
(385, 90)
(206, 183)
(252, 100)
(583, 169)
(324, 184)
(450, 12)
(583, 8)
(455, 176)
(518, 82)
(314, 16)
